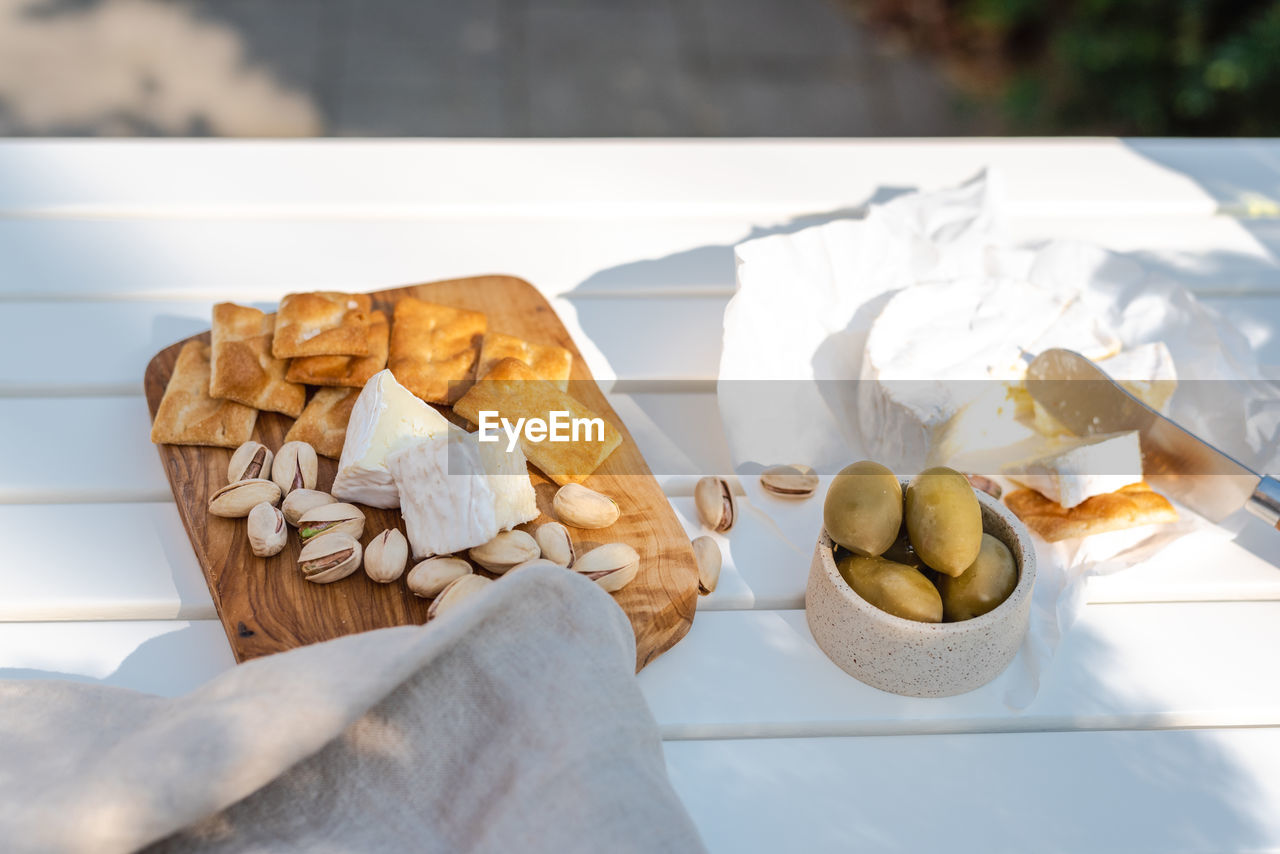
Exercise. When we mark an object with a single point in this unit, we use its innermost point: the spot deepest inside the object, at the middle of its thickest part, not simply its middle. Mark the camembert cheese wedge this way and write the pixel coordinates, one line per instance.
(456, 493)
(386, 417)
(1072, 470)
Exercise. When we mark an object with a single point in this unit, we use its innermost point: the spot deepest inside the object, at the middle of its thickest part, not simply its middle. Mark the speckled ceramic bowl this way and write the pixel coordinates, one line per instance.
(921, 659)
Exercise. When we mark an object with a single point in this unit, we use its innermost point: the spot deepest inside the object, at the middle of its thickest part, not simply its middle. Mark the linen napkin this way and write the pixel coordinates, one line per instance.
(513, 723)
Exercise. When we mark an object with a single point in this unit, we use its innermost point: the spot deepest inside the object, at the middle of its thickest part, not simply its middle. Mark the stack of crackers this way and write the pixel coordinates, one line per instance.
(335, 342)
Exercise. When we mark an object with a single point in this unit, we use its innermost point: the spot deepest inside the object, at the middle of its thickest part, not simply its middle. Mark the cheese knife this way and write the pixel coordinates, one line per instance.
(1174, 461)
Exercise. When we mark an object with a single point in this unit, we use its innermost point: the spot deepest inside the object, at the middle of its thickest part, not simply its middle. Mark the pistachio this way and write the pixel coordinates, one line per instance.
(505, 551)
(581, 507)
(715, 503)
(456, 592)
(329, 557)
(267, 533)
(386, 555)
(554, 542)
(537, 561)
(235, 500)
(706, 551)
(794, 481)
(300, 501)
(328, 518)
(251, 460)
(433, 575)
(986, 484)
(296, 467)
(613, 566)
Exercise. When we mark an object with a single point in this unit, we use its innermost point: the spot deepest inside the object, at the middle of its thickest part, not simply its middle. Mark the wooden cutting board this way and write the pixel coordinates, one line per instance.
(266, 606)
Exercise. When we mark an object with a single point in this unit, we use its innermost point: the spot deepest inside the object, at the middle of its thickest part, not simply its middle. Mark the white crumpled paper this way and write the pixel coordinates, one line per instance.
(806, 301)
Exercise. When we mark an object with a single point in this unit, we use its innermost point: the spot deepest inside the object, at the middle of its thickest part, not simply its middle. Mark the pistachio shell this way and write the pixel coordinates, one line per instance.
(612, 566)
(250, 461)
(433, 575)
(796, 481)
(267, 531)
(300, 501)
(505, 551)
(537, 561)
(328, 518)
(330, 557)
(576, 505)
(295, 467)
(555, 543)
(235, 500)
(706, 551)
(458, 590)
(386, 556)
(715, 502)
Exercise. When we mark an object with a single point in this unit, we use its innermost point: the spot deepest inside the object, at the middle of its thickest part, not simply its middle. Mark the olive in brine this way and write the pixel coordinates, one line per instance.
(944, 520)
(863, 508)
(893, 588)
(981, 587)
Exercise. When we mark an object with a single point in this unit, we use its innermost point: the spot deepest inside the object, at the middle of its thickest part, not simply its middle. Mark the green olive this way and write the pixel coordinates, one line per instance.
(944, 520)
(982, 586)
(894, 588)
(863, 508)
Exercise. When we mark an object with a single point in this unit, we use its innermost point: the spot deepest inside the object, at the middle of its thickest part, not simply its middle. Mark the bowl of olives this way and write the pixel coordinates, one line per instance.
(919, 587)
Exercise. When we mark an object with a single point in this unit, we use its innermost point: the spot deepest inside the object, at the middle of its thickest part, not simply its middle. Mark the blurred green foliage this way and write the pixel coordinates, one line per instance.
(1149, 67)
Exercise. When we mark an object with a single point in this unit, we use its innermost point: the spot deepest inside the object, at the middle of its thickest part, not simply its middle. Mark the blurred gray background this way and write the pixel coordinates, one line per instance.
(457, 68)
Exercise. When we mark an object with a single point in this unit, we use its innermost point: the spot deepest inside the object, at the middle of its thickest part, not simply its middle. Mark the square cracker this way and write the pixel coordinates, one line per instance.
(434, 348)
(513, 391)
(323, 424)
(349, 371)
(1127, 507)
(187, 415)
(547, 361)
(243, 368)
(322, 323)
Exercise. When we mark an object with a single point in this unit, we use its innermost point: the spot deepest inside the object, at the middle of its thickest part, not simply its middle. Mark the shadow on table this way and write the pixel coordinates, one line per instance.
(876, 778)
(169, 664)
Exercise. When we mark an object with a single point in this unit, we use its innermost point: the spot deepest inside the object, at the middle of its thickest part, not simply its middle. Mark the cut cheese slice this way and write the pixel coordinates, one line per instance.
(445, 497)
(1072, 470)
(1146, 371)
(385, 418)
(514, 500)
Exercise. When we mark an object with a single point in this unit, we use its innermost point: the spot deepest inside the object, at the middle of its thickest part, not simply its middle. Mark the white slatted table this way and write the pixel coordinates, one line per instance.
(1158, 725)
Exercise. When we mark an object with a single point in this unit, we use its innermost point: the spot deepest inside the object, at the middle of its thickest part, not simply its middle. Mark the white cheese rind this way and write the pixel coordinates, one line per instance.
(445, 496)
(1073, 470)
(385, 418)
(514, 499)
(937, 348)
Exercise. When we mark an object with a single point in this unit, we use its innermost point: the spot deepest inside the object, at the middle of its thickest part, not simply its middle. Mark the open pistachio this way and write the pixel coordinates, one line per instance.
(434, 574)
(613, 566)
(329, 557)
(251, 460)
(537, 561)
(581, 507)
(300, 501)
(554, 542)
(328, 518)
(715, 503)
(795, 481)
(386, 555)
(505, 551)
(295, 467)
(235, 500)
(706, 551)
(456, 592)
(267, 531)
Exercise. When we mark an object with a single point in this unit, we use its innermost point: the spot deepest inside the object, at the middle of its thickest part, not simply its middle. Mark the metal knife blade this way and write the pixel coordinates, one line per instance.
(1175, 462)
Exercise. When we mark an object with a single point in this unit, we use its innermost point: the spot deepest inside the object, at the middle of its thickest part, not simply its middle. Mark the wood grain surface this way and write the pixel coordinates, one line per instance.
(266, 606)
